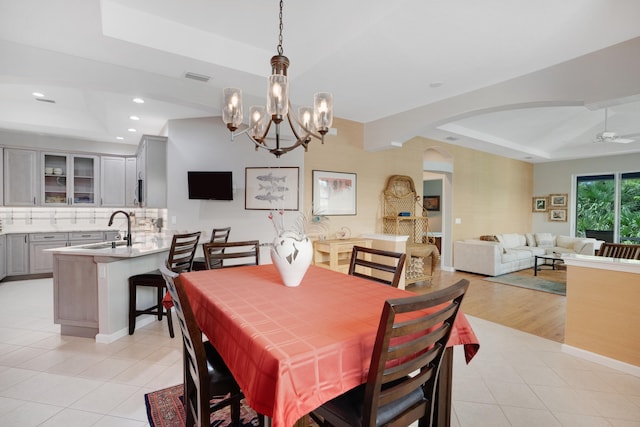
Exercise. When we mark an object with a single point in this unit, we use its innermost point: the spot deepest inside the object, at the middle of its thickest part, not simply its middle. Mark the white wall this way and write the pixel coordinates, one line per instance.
(204, 144)
(559, 178)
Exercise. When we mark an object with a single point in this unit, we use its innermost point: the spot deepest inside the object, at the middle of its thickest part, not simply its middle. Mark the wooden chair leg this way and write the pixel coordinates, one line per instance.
(132, 308)
(159, 295)
(169, 320)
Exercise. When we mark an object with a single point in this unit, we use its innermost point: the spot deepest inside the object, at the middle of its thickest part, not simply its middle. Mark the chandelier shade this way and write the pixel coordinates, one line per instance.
(311, 122)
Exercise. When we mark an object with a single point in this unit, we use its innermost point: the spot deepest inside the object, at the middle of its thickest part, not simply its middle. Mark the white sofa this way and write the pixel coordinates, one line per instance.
(513, 252)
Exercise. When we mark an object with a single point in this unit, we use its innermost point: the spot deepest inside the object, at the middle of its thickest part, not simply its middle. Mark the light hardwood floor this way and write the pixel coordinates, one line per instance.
(535, 312)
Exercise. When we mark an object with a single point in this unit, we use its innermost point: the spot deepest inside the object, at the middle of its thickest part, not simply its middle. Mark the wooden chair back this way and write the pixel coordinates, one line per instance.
(375, 264)
(183, 249)
(198, 385)
(218, 235)
(619, 250)
(235, 253)
(411, 337)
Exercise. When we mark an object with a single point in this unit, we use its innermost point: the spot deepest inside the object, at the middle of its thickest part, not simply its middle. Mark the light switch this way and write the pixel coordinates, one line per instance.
(173, 219)
(458, 220)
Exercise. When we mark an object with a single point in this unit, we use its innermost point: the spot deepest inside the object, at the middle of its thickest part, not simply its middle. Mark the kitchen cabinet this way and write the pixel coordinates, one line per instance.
(112, 181)
(69, 179)
(130, 182)
(41, 261)
(1, 178)
(3, 256)
(152, 172)
(20, 177)
(17, 254)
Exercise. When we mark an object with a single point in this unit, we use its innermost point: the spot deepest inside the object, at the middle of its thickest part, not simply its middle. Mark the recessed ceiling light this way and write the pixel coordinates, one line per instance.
(38, 94)
(119, 138)
(134, 117)
(138, 100)
(131, 130)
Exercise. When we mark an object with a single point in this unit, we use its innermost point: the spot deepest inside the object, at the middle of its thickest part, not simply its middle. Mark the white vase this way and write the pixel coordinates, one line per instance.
(291, 253)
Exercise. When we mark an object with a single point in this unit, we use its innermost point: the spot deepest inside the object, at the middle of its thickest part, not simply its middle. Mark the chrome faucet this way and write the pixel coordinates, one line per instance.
(128, 238)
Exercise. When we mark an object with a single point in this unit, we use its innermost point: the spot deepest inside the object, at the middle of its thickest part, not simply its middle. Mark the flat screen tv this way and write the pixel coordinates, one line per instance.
(210, 185)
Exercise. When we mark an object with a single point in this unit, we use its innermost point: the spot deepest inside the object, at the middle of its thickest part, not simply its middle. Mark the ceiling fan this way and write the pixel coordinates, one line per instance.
(609, 136)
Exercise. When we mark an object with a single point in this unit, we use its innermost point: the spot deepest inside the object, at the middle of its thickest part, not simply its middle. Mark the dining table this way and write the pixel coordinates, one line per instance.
(291, 349)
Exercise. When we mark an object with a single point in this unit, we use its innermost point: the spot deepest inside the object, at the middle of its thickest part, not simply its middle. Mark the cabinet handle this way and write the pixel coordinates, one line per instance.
(49, 237)
(34, 200)
(86, 235)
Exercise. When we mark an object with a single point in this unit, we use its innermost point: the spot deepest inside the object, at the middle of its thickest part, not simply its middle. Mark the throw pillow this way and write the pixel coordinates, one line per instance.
(545, 240)
(530, 240)
(489, 238)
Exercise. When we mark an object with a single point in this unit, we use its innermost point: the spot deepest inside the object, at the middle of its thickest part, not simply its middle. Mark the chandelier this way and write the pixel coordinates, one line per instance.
(309, 123)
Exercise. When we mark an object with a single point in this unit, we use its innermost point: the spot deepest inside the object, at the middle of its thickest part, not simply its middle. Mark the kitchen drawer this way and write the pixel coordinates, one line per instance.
(48, 237)
(87, 235)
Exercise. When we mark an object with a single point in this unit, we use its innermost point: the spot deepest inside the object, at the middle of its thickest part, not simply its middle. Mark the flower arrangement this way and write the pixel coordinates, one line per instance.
(304, 224)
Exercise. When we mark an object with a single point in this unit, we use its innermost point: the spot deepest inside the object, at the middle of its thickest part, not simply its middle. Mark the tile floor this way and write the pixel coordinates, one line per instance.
(516, 379)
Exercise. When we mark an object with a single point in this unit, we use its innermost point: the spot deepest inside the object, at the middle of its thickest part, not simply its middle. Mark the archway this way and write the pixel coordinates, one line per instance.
(437, 176)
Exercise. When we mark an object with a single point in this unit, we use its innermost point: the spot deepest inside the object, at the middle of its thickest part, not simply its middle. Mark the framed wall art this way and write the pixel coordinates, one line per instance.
(431, 203)
(272, 188)
(539, 204)
(559, 215)
(334, 193)
(557, 200)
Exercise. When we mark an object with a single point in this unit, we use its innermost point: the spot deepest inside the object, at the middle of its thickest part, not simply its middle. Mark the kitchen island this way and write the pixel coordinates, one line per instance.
(91, 288)
(602, 315)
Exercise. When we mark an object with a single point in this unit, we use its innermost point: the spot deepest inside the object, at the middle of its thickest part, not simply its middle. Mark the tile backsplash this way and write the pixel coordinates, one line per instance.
(19, 219)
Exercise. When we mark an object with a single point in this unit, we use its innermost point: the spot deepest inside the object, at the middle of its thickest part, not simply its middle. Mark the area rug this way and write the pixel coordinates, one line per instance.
(165, 408)
(530, 282)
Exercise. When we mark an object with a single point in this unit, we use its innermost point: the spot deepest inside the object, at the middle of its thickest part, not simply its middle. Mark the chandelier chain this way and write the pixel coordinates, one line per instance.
(280, 50)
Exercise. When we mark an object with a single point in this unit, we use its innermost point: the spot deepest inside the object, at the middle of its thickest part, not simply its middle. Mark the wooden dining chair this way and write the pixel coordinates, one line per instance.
(376, 264)
(180, 259)
(219, 235)
(205, 373)
(231, 254)
(401, 384)
(619, 250)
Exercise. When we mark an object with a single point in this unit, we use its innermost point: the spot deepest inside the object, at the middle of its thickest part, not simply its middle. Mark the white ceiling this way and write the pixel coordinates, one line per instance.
(521, 78)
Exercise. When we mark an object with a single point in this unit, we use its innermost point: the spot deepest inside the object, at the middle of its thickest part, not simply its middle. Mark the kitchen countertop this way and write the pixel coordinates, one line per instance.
(149, 244)
(32, 230)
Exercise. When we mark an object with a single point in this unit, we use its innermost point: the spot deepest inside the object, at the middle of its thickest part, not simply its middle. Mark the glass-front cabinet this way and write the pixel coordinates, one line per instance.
(69, 179)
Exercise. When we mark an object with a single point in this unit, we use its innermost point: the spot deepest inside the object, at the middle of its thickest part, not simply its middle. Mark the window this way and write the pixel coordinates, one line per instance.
(608, 207)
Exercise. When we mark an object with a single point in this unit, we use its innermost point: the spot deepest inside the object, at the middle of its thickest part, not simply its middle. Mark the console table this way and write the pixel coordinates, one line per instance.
(335, 254)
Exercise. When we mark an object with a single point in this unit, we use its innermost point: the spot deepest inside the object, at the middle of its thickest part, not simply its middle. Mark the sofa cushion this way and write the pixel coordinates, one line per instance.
(511, 240)
(531, 241)
(545, 240)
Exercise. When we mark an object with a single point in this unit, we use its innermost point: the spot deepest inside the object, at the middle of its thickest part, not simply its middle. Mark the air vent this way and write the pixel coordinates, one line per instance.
(50, 101)
(197, 77)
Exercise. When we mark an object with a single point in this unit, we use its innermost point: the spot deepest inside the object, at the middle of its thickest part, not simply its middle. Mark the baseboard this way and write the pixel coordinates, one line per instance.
(602, 360)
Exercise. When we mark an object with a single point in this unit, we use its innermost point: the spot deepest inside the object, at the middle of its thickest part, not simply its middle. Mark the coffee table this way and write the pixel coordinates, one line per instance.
(554, 258)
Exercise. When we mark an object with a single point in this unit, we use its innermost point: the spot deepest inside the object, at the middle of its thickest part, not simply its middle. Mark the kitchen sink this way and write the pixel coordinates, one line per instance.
(105, 245)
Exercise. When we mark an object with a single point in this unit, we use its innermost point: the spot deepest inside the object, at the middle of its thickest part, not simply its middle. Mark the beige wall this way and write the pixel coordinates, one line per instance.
(491, 194)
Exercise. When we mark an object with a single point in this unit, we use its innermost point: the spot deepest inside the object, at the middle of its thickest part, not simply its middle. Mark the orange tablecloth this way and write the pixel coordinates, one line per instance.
(292, 349)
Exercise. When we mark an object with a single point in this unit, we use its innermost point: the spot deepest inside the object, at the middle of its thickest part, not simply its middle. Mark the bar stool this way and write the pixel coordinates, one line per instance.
(180, 259)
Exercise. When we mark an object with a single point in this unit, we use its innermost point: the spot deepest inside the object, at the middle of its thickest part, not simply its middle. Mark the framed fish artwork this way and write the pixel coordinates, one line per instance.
(274, 188)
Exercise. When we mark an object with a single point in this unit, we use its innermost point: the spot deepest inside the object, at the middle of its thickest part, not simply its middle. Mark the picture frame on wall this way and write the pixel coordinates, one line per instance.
(557, 200)
(333, 193)
(559, 215)
(275, 188)
(539, 204)
(431, 203)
